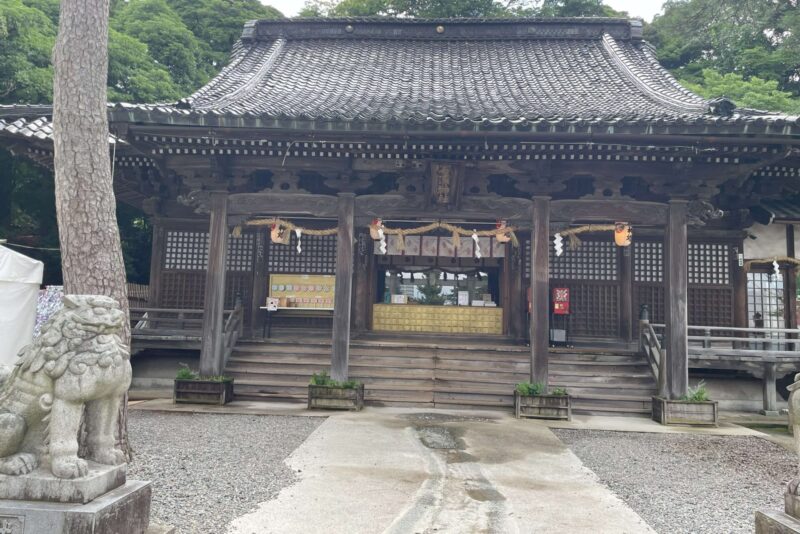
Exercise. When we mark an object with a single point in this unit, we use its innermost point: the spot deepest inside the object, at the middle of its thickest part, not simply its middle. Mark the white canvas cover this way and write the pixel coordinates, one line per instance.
(20, 277)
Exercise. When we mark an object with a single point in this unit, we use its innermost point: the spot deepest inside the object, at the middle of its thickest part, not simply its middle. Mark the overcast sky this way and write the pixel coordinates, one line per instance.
(636, 8)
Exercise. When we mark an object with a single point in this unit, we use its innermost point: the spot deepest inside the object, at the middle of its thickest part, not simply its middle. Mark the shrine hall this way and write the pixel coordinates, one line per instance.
(443, 208)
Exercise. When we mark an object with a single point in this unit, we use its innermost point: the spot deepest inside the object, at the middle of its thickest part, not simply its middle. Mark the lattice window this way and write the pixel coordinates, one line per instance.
(183, 290)
(240, 253)
(186, 251)
(648, 262)
(318, 256)
(710, 306)
(765, 297)
(653, 296)
(709, 264)
(592, 260)
(594, 309)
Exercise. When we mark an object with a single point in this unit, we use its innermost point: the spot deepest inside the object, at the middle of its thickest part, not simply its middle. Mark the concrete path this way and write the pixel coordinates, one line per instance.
(399, 471)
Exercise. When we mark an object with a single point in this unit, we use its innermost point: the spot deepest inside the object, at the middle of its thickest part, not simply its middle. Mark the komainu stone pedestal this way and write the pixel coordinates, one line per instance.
(41, 485)
(125, 510)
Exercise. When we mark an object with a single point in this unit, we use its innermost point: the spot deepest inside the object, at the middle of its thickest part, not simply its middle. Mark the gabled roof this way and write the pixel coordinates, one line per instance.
(456, 73)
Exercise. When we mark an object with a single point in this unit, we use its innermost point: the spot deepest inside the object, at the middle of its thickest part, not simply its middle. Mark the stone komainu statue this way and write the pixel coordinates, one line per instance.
(79, 361)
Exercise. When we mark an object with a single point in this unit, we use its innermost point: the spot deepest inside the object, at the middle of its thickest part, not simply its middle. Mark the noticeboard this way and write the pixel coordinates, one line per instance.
(303, 291)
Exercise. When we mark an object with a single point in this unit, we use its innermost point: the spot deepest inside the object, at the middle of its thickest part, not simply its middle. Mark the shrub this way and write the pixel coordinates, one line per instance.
(528, 390)
(323, 379)
(184, 373)
(561, 392)
(699, 393)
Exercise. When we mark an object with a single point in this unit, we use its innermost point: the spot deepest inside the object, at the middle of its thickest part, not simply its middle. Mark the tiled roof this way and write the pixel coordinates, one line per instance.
(784, 209)
(40, 128)
(577, 75)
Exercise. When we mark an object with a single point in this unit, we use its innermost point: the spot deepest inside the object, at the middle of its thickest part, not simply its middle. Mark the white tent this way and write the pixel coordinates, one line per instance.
(20, 278)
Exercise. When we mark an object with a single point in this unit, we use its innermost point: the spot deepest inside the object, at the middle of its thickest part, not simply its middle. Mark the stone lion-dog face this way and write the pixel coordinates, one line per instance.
(78, 363)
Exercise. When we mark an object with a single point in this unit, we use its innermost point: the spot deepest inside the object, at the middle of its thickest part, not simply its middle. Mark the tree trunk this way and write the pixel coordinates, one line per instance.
(91, 253)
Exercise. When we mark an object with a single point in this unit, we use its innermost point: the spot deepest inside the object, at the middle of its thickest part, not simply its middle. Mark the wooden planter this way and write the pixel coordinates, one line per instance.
(543, 406)
(202, 391)
(335, 398)
(680, 412)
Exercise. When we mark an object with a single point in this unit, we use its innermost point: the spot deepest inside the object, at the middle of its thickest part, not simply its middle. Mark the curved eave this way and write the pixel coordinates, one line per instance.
(771, 126)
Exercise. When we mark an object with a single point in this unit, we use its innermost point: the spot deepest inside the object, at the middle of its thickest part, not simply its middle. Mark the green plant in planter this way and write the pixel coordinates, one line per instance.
(699, 393)
(184, 373)
(526, 389)
(323, 379)
(560, 392)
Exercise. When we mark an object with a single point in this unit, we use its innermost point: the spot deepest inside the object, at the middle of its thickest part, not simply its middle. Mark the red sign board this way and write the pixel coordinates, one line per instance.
(560, 301)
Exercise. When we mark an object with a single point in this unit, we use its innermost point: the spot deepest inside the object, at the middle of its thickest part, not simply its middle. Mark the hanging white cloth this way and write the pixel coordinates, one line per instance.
(20, 278)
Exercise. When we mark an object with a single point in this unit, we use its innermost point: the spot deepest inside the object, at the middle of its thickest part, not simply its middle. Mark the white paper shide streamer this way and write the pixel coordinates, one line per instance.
(382, 245)
(477, 245)
(776, 267)
(558, 244)
(298, 232)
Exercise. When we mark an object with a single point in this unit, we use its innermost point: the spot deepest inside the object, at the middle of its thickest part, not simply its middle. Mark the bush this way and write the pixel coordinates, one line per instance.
(527, 389)
(698, 393)
(322, 379)
(185, 373)
(561, 392)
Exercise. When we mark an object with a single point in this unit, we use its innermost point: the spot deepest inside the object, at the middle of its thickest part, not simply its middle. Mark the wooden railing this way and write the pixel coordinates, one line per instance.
(650, 344)
(170, 322)
(232, 331)
(729, 341)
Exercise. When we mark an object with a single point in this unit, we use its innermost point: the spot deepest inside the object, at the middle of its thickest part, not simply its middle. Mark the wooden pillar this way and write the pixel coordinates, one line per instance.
(677, 360)
(259, 284)
(361, 293)
(211, 351)
(626, 311)
(770, 391)
(540, 290)
(156, 264)
(344, 287)
(739, 292)
(790, 283)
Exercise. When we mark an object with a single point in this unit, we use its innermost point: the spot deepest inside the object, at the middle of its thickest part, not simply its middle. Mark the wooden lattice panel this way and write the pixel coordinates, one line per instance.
(182, 289)
(594, 309)
(240, 253)
(648, 261)
(653, 296)
(708, 306)
(592, 260)
(709, 264)
(318, 256)
(186, 251)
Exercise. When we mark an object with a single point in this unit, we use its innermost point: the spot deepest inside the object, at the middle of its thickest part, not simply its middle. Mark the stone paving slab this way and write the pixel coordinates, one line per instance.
(399, 471)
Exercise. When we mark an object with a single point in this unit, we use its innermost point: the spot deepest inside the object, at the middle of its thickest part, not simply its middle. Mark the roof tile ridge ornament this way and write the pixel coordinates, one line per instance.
(265, 64)
(469, 29)
(636, 75)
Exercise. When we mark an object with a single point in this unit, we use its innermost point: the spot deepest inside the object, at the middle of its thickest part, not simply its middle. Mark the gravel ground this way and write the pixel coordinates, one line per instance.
(209, 469)
(688, 483)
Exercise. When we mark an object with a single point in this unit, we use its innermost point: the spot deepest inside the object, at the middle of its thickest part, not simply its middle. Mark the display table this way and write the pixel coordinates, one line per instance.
(266, 327)
(444, 319)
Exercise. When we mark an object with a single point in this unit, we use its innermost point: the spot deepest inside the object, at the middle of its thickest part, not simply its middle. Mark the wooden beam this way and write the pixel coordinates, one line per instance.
(676, 294)
(211, 353)
(282, 204)
(626, 311)
(540, 290)
(769, 390)
(631, 211)
(344, 287)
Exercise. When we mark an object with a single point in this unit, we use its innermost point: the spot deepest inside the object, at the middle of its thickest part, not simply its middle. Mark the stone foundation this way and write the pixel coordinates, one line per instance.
(41, 485)
(123, 510)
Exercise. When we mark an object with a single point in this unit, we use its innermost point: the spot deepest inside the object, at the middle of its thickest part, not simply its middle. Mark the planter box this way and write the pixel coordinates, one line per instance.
(335, 398)
(202, 391)
(680, 412)
(543, 406)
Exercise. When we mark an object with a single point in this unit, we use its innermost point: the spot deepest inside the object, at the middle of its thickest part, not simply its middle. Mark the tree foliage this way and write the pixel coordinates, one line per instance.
(457, 8)
(159, 50)
(754, 39)
(755, 93)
